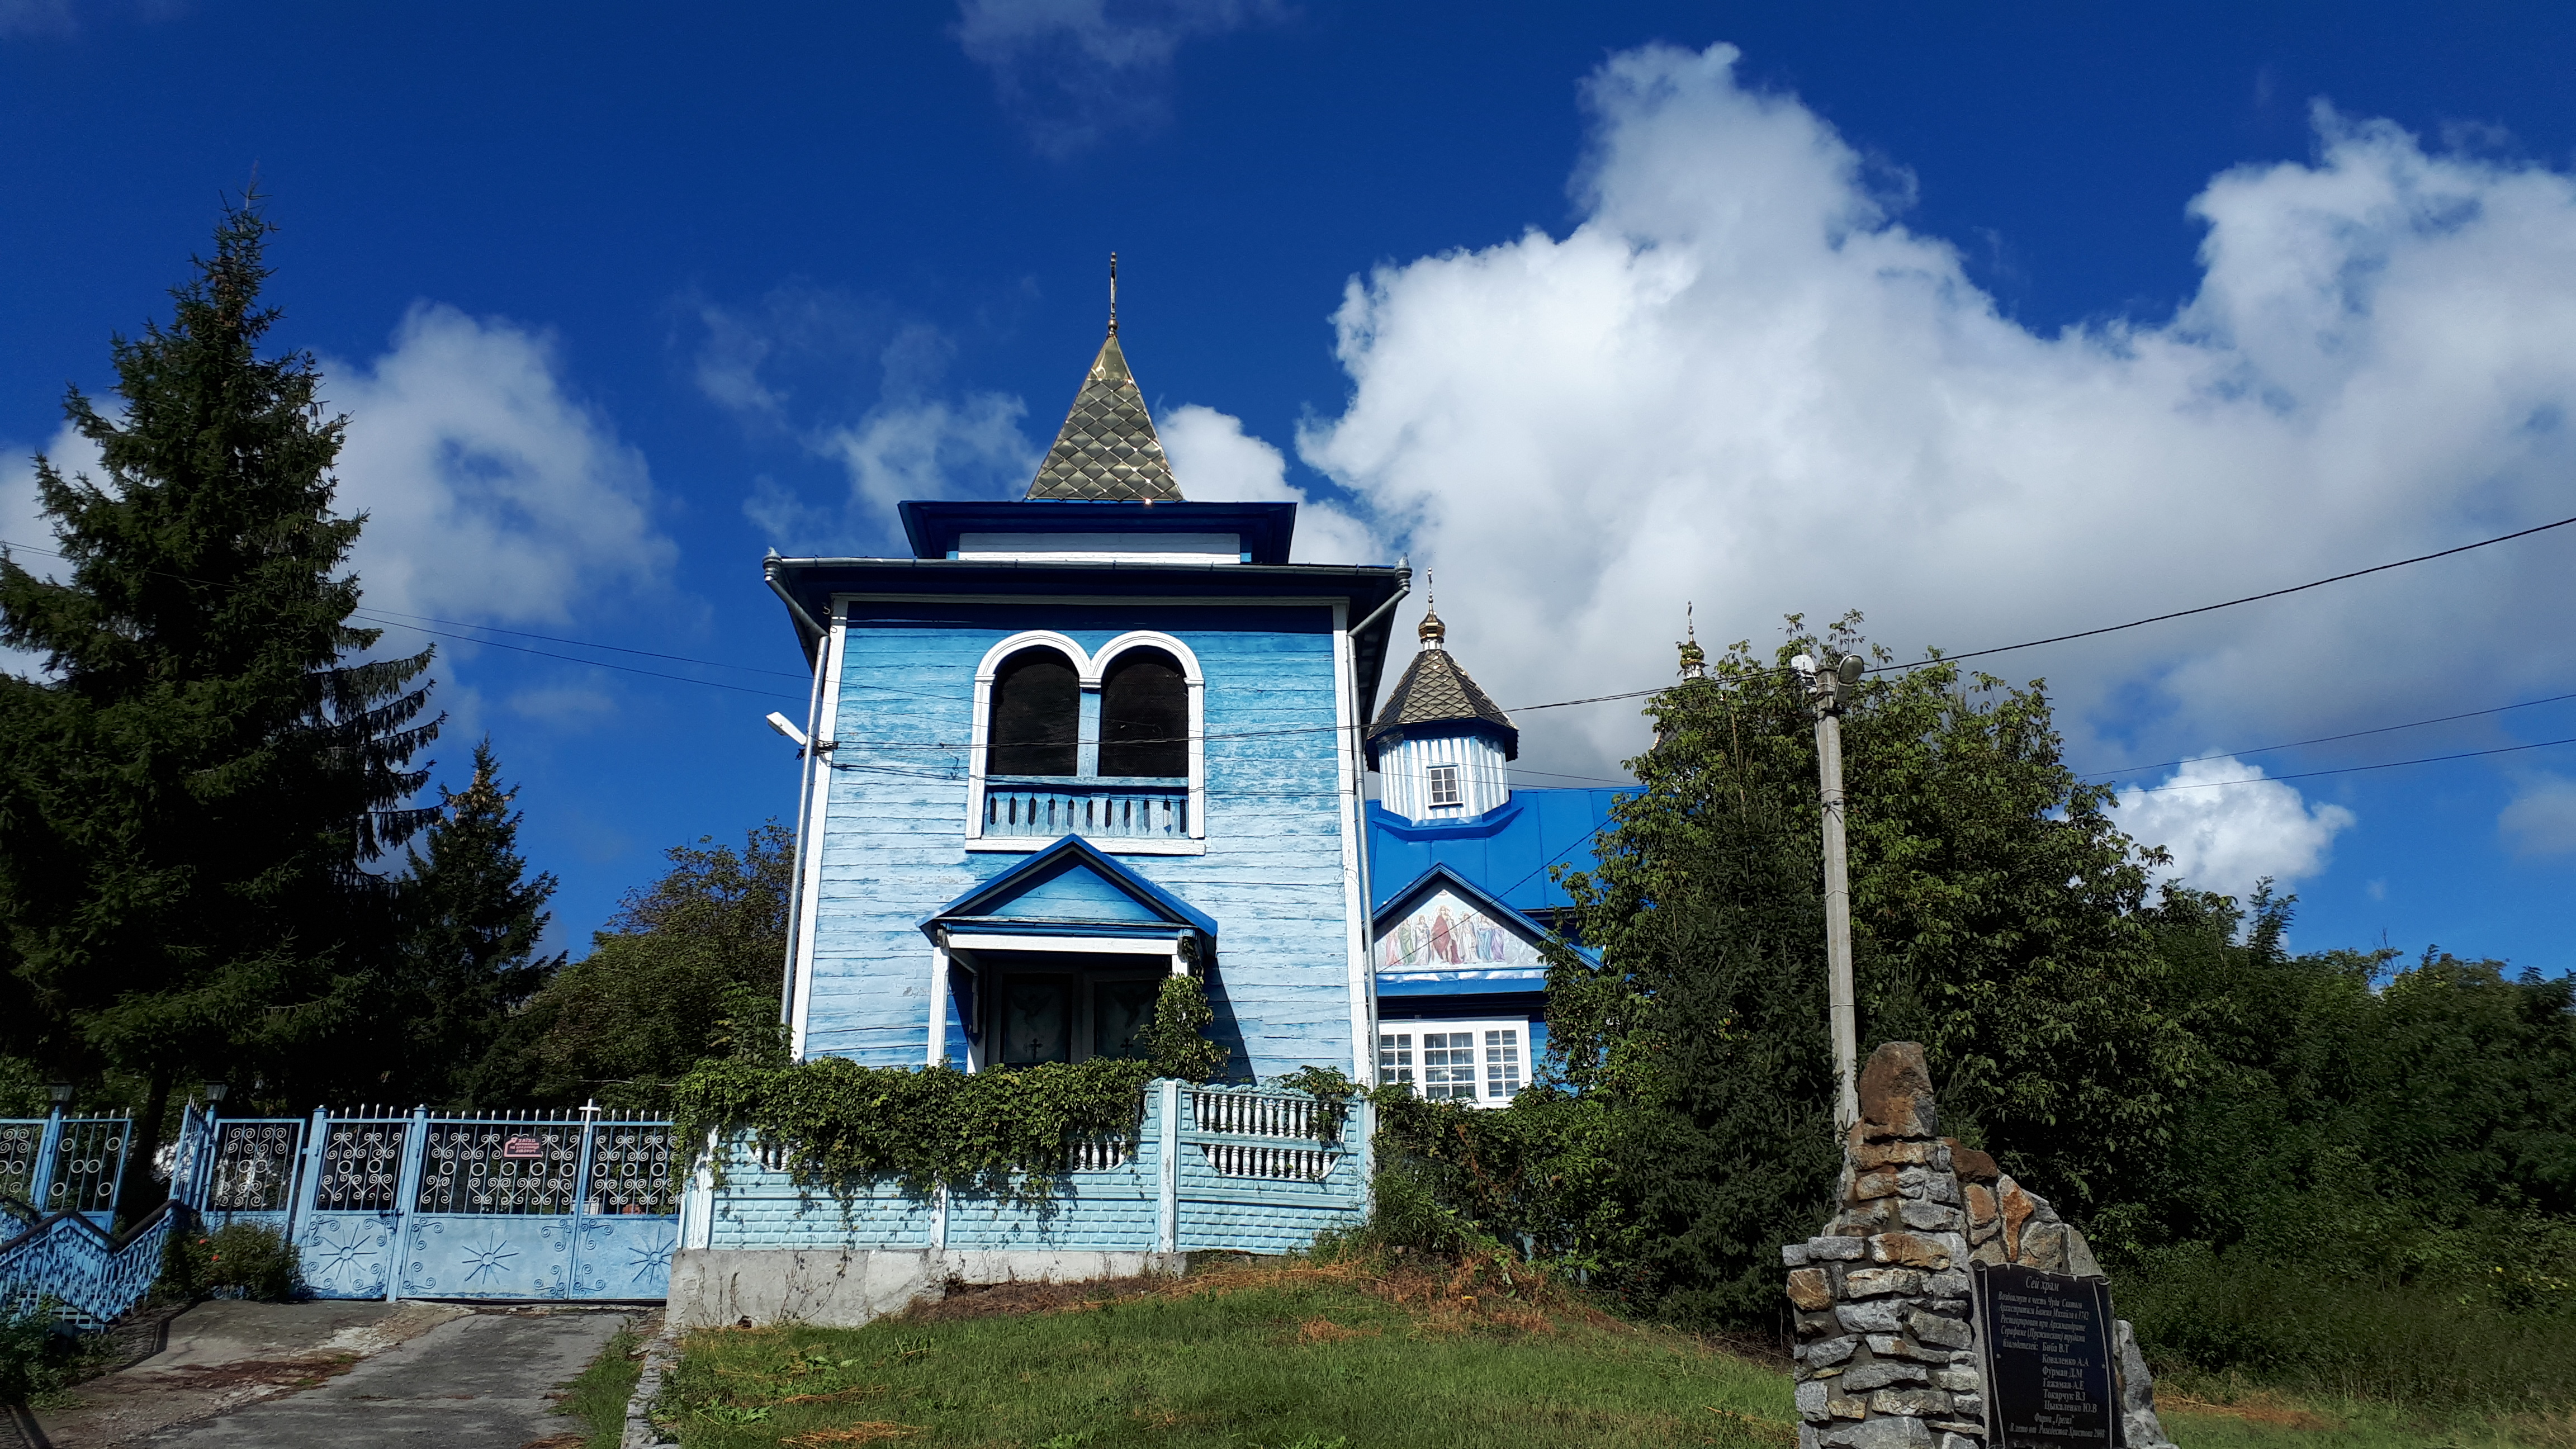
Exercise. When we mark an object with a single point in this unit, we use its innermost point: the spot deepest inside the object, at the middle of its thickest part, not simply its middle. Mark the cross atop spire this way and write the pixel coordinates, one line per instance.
(1107, 450)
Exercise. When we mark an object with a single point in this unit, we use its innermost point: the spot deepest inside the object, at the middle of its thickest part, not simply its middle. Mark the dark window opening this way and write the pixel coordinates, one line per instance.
(1037, 716)
(1145, 717)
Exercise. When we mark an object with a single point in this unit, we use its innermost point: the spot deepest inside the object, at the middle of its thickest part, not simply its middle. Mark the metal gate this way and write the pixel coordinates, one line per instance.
(523, 1206)
(62, 1164)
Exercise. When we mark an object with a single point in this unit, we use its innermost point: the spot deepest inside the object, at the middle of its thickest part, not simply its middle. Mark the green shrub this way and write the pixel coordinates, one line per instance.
(237, 1260)
(37, 1356)
(2311, 1327)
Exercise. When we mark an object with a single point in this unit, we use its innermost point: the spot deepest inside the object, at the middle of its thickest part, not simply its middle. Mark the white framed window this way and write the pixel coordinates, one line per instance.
(1444, 785)
(1395, 1056)
(1105, 745)
(1480, 1063)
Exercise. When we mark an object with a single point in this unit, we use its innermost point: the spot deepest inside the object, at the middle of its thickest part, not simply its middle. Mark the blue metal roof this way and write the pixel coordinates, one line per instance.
(1505, 852)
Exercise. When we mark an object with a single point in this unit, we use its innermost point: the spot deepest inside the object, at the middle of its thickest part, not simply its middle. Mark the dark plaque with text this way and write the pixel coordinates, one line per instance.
(2047, 1340)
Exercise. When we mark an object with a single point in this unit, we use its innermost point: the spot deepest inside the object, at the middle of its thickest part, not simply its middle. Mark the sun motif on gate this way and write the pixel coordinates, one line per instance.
(492, 1258)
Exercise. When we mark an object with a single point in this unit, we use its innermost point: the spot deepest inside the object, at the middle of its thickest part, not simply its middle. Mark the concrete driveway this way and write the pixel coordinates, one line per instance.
(343, 1376)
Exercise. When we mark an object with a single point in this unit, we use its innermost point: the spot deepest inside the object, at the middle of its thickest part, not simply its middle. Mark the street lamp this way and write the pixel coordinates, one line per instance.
(61, 1092)
(214, 1096)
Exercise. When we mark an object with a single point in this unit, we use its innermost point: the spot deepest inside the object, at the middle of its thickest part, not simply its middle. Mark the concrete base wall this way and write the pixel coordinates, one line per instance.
(845, 1287)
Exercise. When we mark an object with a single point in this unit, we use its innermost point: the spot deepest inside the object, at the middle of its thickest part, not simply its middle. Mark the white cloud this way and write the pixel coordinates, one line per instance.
(490, 493)
(919, 449)
(1738, 381)
(1215, 461)
(22, 520)
(2227, 836)
(1075, 71)
(2541, 820)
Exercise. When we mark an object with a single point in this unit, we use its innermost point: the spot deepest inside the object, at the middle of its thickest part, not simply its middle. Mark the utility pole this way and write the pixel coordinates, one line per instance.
(1826, 691)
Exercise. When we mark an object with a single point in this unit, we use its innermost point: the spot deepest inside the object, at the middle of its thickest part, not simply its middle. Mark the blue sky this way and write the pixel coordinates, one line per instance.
(1994, 322)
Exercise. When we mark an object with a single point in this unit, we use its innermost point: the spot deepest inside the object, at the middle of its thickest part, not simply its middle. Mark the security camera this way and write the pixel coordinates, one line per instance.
(1804, 665)
(787, 727)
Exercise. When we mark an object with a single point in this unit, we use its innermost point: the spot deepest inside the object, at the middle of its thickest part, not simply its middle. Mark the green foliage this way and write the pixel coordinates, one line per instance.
(187, 799)
(1993, 921)
(2372, 1337)
(1176, 1039)
(242, 1260)
(37, 1356)
(1453, 1180)
(597, 1396)
(689, 967)
(471, 918)
(1332, 1090)
(836, 1123)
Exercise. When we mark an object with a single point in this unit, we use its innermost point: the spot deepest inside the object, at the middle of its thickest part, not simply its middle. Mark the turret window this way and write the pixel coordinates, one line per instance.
(1444, 785)
(1145, 717)
(1037, 715)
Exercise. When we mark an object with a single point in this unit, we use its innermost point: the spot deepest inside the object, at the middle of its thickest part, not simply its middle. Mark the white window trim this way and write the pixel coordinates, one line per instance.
(1089, 670)
(980, 953)
(1416, 1027)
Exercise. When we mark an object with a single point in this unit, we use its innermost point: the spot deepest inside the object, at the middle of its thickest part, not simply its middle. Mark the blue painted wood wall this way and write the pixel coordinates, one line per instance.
(894, 849)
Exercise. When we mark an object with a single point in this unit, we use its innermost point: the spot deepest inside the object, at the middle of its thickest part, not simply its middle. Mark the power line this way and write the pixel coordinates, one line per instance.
(395, 614)
(2329, 739)
(2351, 769)
(2231, 603)
(577, 659)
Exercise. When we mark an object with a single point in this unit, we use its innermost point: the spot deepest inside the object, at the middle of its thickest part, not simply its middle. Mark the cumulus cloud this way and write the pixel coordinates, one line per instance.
(2541, 820)
(23, 524)
(1075, 71)
(1215, 461)
(1739, 379)
(491, 493)
(2227, 827)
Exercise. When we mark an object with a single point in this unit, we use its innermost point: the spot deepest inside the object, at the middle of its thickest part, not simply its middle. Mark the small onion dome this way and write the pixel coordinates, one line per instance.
(1435, 697)
(1694, 660)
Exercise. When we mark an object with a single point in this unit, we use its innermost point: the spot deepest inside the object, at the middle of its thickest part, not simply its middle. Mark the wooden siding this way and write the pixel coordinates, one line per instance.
(893, 847)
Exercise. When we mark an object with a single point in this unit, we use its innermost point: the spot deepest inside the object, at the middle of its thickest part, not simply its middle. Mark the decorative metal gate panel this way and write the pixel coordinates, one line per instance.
(531, 1207)
(63, 1164)
(352, 1215)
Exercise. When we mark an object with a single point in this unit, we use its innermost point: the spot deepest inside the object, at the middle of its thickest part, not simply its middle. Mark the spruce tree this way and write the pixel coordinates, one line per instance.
(190, 793)
(471, 922)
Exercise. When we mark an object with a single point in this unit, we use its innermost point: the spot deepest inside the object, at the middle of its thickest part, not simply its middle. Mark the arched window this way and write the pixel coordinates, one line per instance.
(1145, 716)
(1037, 715)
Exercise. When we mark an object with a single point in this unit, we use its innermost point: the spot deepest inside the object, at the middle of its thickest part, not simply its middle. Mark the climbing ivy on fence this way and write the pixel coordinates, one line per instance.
(836, 1124)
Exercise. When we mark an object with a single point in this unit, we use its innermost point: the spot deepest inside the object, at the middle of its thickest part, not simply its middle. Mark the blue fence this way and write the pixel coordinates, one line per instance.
(528, 1207)
(1249, 1170)
(63, 1164)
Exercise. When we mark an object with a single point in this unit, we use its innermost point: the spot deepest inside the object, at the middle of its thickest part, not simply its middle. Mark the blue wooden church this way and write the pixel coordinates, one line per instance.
(1080, 741)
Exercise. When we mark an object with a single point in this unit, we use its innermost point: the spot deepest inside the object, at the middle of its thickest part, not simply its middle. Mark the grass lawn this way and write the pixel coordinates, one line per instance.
(1337, 1357)
(597, 1398)
(1256, 1358)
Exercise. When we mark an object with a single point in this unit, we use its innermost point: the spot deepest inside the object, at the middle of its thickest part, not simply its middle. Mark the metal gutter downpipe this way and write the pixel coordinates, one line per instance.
(804, 789)
(1359, 804)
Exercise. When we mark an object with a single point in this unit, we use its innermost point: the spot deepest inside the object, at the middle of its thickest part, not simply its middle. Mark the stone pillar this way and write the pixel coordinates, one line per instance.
(1887, 1352)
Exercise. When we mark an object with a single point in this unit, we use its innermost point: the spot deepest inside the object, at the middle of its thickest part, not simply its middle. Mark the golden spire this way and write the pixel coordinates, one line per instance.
(1694, 658)
(1432, 631)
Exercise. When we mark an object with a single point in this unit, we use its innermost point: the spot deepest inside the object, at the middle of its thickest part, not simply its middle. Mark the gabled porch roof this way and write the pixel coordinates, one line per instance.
(1071, 889)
